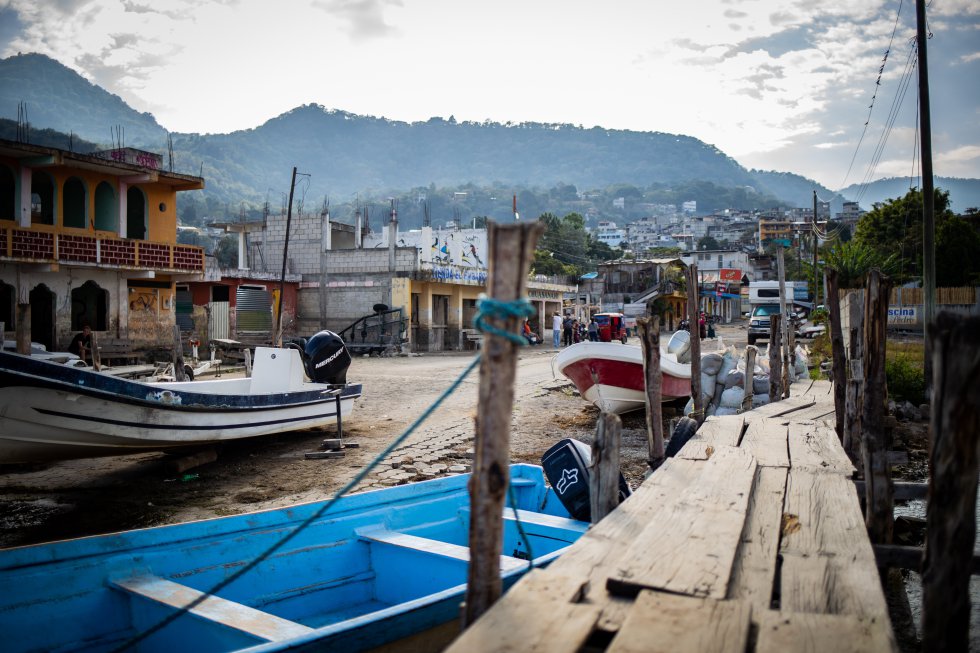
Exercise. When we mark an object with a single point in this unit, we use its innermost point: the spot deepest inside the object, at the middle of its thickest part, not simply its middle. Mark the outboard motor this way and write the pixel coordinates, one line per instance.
(566, 465)
(327, 358)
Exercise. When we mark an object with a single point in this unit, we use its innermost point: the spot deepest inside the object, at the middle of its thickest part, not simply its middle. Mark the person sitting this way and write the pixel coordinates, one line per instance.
(81, 344)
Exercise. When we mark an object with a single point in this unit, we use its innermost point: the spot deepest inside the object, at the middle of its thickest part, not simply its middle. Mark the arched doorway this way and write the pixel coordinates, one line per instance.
(106, 208)
(89, 305)
(135, 214)
(7, 297)
(42, 316)
(74, 204)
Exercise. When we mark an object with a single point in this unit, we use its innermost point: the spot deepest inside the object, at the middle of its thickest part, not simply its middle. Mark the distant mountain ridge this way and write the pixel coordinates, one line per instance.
(963, 193)
(347, 154)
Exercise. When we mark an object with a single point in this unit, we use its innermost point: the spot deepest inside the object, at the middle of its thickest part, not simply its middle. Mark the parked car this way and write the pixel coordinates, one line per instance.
(760, 318)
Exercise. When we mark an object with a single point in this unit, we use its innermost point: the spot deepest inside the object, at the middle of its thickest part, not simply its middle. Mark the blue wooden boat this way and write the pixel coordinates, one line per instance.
(378, 567)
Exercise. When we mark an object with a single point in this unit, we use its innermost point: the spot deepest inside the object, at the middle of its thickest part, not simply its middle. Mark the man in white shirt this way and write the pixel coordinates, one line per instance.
(556, 329)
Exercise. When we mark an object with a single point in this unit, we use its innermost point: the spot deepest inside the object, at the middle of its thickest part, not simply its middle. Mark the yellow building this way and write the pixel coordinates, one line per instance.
(775, 229)
(91, 239)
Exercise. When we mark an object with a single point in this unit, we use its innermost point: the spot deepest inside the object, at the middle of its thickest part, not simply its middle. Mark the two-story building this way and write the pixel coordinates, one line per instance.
(91, 239)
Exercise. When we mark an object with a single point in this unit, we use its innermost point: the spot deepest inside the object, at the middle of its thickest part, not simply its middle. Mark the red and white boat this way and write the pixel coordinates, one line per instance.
(610, 374)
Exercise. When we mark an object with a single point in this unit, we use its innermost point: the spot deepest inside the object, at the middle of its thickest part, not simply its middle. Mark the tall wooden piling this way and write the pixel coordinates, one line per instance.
(650, 341)
(604, 470)
(839, 370)
(787, 325)
(953, 467)
(694, 327)
(750, 353)
(874, 448)
(511, 249)
(96, 353)
(775, 358)
(178, 356)
(23, 329)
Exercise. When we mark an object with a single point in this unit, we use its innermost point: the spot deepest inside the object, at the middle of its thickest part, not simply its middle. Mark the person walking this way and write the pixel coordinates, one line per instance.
(566, 327)
(556, 329)
(593, 330)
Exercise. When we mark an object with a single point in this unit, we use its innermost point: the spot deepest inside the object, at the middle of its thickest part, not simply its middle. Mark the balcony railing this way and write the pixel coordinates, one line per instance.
(28, 245)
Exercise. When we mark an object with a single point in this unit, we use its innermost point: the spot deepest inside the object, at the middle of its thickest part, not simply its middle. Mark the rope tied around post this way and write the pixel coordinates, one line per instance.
(487, 307)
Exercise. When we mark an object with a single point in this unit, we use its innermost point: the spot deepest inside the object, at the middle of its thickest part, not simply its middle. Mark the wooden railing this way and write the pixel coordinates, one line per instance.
(54, 247)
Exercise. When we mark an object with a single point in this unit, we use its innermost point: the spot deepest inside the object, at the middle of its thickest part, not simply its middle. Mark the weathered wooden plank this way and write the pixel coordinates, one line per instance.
(696, 450)
(695, 538)
(754, 569)
(821, 633)
(666, 623)
(766, 440)
(818, 412)
(538, 615)
(778, 408)
(815, 447)
(828, 564)
(722, 431)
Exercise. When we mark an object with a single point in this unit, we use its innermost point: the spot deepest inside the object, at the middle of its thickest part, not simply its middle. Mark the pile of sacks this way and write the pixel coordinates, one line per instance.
(723, 378)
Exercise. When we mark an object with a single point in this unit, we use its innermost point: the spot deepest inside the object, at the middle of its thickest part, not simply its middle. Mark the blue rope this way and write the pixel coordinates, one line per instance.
(360, 476)
(488, 307)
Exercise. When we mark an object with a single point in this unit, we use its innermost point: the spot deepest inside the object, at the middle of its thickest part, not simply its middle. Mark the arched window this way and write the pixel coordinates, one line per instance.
(74, 203)
(8, 193)
(106, 208)
(42, 315)
(42, 198)
(89, 305)
(135, 214)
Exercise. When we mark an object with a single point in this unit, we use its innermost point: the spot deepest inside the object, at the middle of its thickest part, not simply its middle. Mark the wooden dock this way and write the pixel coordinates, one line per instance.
(751, 539)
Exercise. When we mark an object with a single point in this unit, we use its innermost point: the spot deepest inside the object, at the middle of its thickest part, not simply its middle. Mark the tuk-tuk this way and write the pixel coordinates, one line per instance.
(612, 326)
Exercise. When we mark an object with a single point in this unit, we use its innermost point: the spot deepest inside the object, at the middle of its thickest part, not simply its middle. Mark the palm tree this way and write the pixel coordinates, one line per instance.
(852, 261)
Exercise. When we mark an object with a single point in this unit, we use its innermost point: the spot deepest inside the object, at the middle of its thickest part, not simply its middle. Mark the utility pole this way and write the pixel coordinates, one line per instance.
(928, 217)
(813, 230)
(285, 251)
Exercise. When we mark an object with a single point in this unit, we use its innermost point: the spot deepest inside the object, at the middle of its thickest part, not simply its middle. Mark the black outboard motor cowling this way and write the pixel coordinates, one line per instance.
(566, 464)
(327, 358)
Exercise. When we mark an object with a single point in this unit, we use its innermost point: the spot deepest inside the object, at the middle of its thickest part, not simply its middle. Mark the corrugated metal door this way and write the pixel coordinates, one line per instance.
(218, 324)
(184, 310)
(253, 313)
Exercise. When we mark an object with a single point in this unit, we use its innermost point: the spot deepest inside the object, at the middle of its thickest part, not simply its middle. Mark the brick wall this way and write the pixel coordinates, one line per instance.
(81, 249)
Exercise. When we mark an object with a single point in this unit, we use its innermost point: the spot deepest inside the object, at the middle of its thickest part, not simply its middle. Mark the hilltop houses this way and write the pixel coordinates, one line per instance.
(91, 239)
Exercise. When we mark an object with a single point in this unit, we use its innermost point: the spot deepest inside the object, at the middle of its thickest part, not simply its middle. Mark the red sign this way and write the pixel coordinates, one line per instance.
(730, 274)
(720, 288)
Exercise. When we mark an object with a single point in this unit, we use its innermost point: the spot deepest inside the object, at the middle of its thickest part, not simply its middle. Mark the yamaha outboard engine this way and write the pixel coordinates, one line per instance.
(566, 465)
(327, 358)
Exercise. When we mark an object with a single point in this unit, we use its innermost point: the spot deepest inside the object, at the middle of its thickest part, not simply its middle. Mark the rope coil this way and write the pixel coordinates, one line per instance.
(488, 307)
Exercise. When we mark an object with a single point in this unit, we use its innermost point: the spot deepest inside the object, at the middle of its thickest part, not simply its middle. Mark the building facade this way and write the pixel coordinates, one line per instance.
(91, 239)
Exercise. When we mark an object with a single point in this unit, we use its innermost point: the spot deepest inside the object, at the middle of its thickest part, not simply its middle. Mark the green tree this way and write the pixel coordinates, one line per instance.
(226, 252)
(708, 242)
(957, 254)
(852, 260)
(894, 228)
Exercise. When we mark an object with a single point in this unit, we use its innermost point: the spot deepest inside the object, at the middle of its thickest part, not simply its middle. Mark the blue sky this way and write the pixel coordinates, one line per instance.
(776, 85)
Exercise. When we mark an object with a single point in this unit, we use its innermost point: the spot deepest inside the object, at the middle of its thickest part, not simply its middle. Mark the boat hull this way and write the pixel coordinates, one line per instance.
(51, 412)
(379, 566)
(610, 375)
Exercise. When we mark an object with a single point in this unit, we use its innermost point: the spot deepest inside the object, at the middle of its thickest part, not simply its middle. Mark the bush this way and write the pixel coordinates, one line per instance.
(906, 380)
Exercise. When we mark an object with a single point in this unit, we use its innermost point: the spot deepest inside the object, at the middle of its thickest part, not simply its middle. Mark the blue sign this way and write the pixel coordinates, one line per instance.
(460, 274)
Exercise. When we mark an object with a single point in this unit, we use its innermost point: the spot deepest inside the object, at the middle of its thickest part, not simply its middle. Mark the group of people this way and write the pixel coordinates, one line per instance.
(568, 330)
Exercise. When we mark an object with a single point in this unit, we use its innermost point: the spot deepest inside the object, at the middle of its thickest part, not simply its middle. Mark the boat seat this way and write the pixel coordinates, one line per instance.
(247, 621)
(376, 535)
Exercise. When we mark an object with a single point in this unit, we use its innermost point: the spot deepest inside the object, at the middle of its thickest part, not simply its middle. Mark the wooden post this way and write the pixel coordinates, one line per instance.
(96, 354)
(178, 356)
(692, 312)
(874, 449)
(775, 359)
(852, 409)
(839, 371)
(953, 467)
(248, 363)
(786, 322)
(23, 329)
(511, 251)
(604, 470)
(750, 353)
(789, 357)
(650, 341)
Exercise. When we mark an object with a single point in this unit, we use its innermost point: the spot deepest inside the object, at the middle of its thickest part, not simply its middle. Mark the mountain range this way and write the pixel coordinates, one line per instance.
(347, 154)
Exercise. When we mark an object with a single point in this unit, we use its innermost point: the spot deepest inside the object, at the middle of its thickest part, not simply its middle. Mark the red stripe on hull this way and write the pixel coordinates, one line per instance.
(621, 374)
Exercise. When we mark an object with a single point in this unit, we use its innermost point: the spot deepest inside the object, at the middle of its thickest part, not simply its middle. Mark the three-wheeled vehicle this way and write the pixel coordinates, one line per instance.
(612, 326)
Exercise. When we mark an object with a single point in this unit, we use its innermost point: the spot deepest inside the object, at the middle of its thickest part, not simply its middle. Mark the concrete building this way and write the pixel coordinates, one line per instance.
(435, 276)
(91, 239)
